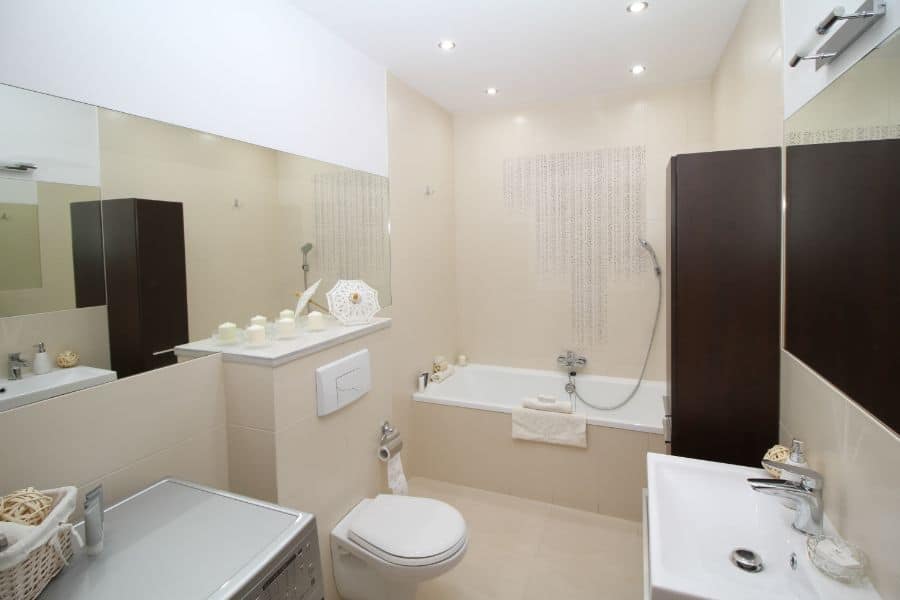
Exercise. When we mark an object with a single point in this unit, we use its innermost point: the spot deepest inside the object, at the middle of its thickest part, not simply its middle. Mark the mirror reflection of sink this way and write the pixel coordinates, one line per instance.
(33, 388)
(699, 512)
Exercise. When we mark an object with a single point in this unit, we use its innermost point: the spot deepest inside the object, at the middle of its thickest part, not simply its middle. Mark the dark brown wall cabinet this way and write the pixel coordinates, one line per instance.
(145, 282)
(842, 297)
(724, 303)
(87, 254)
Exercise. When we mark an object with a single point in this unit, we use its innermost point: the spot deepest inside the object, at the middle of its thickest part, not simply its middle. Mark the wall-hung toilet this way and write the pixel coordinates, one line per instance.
(387, 545)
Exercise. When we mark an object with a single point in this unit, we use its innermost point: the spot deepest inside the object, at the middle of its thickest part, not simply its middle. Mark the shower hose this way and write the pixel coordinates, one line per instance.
(573, 391)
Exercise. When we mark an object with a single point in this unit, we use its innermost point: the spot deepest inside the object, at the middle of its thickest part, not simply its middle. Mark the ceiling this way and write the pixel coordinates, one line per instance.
(533, 51)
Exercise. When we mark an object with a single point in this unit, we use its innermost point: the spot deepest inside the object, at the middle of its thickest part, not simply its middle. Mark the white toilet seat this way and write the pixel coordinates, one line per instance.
(386, 546)
(408, 531)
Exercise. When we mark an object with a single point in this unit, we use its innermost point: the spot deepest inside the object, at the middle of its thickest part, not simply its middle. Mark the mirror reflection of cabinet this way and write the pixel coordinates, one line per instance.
(842, 302)
(145, 282)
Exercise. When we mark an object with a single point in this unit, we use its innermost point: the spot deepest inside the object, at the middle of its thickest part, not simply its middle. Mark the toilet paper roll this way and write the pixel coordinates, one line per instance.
(390, 449)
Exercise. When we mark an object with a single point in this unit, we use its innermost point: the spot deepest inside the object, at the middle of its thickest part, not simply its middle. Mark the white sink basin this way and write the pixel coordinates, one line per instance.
(698, 512)
(33, 388)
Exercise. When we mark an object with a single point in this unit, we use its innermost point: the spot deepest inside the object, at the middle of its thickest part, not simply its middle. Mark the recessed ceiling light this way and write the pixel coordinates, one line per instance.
(638, 69)
(636, 7)
(447, 45)
(492, 91)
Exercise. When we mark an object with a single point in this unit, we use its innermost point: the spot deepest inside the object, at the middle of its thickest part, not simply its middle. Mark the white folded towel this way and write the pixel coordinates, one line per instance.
(549, 427)
(552, 405)
(546, 398)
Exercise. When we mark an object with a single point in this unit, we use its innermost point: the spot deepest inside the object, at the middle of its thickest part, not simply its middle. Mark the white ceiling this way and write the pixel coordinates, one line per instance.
(532, 50)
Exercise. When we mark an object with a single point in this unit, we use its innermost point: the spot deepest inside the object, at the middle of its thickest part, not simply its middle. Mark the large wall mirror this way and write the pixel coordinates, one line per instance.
(842, 297)
(99, 208)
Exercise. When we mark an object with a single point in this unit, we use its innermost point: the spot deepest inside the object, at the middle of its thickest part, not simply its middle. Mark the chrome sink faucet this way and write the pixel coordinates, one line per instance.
(807, 493)
(16, 362)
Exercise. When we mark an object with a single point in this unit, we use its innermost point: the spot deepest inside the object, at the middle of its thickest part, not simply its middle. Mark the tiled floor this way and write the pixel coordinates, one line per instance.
(527, 550)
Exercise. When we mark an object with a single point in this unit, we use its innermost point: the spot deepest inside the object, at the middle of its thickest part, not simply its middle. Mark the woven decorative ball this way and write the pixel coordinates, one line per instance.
(777, 453)
(25, 507)
(67, 359)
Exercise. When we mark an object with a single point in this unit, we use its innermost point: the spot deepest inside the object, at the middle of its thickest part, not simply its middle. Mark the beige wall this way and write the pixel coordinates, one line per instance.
(20, 254)
(860, 459)
(83, 330)
(280, 450)
(504, 317)
(422, 242)
(241, 260)
(863, 104)
(748, 102)
(858, 455)
(56, 276)
(125, 435)
(228, 250)
(474, 448)
(328, 464)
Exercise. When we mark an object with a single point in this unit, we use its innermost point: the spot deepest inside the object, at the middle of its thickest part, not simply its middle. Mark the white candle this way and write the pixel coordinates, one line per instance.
(315, 321)
(258, 320)
(284, 327)
(256, 335)
(286, 314)
(227, 332)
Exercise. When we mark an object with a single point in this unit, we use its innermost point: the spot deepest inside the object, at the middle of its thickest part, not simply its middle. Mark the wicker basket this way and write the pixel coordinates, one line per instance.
(26, 579)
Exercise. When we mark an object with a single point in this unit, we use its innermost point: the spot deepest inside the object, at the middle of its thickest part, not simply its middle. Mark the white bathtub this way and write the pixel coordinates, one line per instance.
(500, 389)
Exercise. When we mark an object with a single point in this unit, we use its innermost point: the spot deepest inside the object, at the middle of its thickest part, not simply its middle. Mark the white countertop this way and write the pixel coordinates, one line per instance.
(278, 352)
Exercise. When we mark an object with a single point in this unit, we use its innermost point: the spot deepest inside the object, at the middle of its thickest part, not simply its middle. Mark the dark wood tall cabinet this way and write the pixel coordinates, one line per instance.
(87, 254)
(146, 284)
(724, 266)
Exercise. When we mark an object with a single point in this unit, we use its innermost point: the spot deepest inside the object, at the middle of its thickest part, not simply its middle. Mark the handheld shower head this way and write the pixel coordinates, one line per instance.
(306, 249)
(646, 246)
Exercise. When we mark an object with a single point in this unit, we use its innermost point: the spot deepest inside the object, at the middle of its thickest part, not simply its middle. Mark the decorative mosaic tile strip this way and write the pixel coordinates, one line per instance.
(589, 212)
(351, 216)
(842, 134)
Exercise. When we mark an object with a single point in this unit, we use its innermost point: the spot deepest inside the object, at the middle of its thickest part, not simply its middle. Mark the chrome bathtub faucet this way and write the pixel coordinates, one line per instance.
(571, 361)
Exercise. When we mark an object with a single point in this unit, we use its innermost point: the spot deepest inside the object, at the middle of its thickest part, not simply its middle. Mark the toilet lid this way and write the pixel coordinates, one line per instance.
(409, 531)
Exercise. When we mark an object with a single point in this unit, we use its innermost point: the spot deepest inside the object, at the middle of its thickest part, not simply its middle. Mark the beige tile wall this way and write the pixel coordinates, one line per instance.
(326, 465)
(859, 456)
(228, 251)
(860, 459)
(281, 451)
(125, 435)
(57, 288)
(475, 448)
(84, 330)
(748, 103)
(423, 242)
(504, 318)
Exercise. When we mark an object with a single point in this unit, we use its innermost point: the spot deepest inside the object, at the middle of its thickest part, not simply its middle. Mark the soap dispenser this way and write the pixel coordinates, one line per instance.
(41, 363)
(797, 457)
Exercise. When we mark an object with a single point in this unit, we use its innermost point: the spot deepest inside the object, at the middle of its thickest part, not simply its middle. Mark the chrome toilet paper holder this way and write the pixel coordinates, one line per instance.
(388, 432)
(390, 444)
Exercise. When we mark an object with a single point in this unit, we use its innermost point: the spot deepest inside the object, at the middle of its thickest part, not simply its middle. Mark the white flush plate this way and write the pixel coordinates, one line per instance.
(342, 382)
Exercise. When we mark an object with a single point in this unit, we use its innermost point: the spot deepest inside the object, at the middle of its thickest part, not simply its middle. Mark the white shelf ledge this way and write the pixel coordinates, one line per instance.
(278, 352)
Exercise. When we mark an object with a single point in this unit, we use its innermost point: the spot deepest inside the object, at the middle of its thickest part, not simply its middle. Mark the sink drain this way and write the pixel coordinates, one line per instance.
(747, 560)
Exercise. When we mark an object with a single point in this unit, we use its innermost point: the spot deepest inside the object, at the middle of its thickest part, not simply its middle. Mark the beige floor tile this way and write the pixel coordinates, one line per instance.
(575, 533)
(524, 549)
